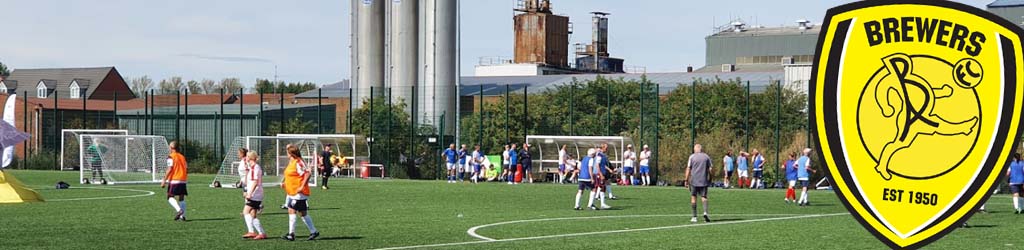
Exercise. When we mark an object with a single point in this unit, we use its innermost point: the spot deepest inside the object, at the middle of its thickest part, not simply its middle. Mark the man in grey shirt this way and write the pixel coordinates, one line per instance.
(697, 179)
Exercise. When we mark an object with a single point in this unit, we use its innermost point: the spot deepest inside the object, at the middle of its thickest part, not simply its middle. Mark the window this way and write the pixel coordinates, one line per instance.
(41, 91)
(74, 93)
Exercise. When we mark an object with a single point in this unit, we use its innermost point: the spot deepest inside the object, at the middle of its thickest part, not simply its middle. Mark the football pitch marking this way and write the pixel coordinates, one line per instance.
(489, 240)
(143, 193)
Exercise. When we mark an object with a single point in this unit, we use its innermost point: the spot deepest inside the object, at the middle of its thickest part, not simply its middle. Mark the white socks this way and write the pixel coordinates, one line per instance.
(590, 202)
(291, 223)
(174, 204)
(632, 180)
(258, 226)
(580, 193)
(705, 208)
(647, 180)
(803, 197)
(609, 190)
(248, 222)
(1016, 203)
(309, 223)
(601, 195)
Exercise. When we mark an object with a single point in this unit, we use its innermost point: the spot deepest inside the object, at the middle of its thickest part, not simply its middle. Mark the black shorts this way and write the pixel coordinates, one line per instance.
(176, 190)
(298, 205)
(699, 191)
(527, 166)
(255, 205)
(728, 174)
(586, 185)
(758, 173)
(1016, 188)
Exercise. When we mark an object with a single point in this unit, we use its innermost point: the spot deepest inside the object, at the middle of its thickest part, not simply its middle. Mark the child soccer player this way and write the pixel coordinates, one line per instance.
(645, 168)
(461, 168)
(758, 169)
(253, 198)
(505, 161)
(586, 179)
(177, 177)
(697, 178)
(243, 168)
(571, 167)
(803, 175)
(296, 186)
(741, 169)
(450, 159)
(729, 165)
(477, 160)
(561, 164)
(513, 161)
(627, 165)
(1016, 176)
(790, 167)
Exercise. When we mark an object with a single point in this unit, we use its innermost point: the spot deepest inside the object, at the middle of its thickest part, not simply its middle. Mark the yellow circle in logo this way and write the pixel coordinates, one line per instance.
(916, 119)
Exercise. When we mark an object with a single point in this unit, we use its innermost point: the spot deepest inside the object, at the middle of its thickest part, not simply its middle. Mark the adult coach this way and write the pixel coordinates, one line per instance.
(527, 161)
(450, 160)
(697, 178)
(325, 166)
(803, 175)
(175, 180)
(729, 165)
(645, 167)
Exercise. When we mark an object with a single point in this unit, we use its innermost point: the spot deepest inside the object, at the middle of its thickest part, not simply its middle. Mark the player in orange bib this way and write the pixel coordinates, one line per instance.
(177, 176)
(296, 187)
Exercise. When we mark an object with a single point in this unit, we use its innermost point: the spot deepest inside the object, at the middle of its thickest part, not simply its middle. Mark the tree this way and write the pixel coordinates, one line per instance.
(208, 86)
(171, 85)
(230, 85)
(267, 86)
(4, 72)
(193, 87)
(140, 85)
(295, 125)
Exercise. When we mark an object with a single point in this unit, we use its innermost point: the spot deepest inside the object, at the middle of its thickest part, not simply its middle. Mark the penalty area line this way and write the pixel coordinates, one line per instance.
(143, 193)
(604, 232)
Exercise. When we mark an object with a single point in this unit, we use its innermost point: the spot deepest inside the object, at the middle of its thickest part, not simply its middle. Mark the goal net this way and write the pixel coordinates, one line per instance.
(69, 140)
(122, 159)
(273, 158)
(547, 147)
(353, 150)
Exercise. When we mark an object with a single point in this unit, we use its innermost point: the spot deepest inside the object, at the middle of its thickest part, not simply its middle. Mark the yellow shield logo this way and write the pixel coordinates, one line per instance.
(917, 106)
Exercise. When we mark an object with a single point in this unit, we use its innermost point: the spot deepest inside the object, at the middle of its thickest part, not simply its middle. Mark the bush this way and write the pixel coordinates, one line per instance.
(43, 160)
(201, 158)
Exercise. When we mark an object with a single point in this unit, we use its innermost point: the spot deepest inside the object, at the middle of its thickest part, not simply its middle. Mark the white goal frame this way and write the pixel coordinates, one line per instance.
(156, 176)
(616, 144)
(63, 143)
(355, 141)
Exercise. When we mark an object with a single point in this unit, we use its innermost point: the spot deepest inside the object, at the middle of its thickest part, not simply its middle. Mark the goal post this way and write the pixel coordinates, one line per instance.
(353, 147)
(69, 150)
(273, 157)
(122, 159)
(547, 147)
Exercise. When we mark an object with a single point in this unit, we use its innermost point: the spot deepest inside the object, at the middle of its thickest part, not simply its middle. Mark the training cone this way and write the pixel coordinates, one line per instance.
(12, 191)
(519, 173)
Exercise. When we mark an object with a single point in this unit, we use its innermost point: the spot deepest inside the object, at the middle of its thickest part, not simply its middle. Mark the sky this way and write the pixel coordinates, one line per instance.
(308, 41)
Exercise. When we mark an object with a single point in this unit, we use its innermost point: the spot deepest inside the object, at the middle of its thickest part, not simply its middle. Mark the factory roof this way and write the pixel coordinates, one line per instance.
(247, 109)
(1006, 3)
(768, 31)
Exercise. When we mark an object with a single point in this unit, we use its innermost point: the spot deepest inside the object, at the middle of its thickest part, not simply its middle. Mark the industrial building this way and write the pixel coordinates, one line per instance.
(1012, 10)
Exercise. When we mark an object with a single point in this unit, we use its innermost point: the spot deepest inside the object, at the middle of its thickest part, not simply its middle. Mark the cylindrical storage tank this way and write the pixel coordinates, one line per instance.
(404, 49)
(369, 49)
(438, 94)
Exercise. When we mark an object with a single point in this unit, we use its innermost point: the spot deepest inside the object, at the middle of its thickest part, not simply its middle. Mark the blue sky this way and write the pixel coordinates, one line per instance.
(309, 40)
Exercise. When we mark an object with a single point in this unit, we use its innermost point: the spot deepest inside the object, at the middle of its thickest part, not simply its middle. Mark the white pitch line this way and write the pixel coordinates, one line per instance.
(611, 231)
(146, 193)
(472, 230)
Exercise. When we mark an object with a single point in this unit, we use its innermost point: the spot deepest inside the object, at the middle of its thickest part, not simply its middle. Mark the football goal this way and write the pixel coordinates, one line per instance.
(547, 147)
(69, 140)
(274, 157)
(353, 150)
(122, 159)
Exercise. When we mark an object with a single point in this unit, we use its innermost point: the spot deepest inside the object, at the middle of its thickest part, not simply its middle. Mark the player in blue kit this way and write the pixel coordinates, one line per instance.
(461, 168)
(1016, 176)
(606, 170)
(586, 180)
(790, 168)
(729, 166)
(743, 176)
(513, 160)
(476, 161)
(450, 159)
(758, 170)
(803, 175)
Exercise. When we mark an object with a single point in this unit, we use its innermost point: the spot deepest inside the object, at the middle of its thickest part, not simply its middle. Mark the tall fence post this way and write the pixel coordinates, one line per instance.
(480, 132)
(319, 116)
(241, 111)
(778, 123)
(693, 113)
(608, 116)
(508, 136)
(85, 116)
(56, 132)
(24, 125)
(369, 125)
(391, 107)
(145, 113)
(177, 115)
(746, 119)
(117, 122)
(526, 111)
(572, 110)
(351, 101)
(220, 125)
(657, 133)
(186, 122)
(643, 90)
(280, 111)
(259, 116)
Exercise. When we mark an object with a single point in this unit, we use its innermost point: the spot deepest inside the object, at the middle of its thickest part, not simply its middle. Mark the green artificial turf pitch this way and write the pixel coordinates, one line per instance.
(372, 214)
